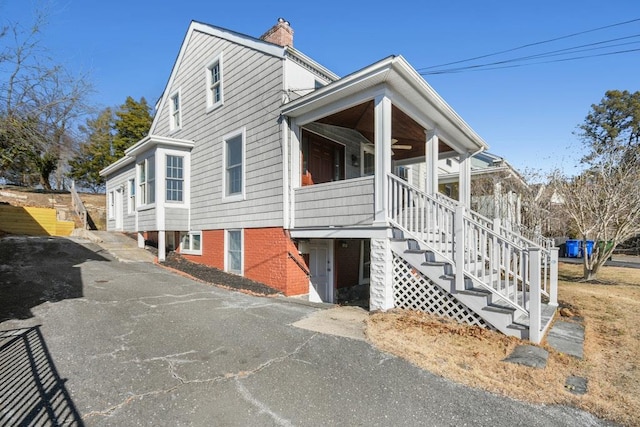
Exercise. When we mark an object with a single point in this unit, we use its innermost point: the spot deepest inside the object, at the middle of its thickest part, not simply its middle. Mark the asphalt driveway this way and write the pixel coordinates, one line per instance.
(89, 340)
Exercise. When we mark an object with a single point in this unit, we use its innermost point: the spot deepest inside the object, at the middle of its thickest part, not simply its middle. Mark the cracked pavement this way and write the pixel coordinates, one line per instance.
(139, 345)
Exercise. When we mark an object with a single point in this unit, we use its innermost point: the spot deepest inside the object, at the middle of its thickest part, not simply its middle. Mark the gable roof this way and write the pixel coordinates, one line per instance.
(241, 39)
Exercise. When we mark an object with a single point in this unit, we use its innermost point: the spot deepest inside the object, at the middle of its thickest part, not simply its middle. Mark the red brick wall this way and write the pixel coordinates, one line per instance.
(212, 249)
(266, 258)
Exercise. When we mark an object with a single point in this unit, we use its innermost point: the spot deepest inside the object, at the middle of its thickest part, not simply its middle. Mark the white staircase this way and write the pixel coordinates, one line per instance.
(458, 264)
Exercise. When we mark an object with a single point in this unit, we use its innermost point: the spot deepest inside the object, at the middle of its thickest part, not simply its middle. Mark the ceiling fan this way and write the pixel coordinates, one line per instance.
(396, 146)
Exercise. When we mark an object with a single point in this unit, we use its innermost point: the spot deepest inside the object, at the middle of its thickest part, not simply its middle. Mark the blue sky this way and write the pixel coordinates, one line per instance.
(526, 114)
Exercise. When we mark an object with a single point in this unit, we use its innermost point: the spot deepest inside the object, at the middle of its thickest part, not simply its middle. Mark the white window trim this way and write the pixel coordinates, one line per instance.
(131, 201)
(226, 251)
(211, 105)
(239, 196)
(190, 251)
(111, 205)
(166, 178)
(144, 163)
(369, 149)
(172, 124)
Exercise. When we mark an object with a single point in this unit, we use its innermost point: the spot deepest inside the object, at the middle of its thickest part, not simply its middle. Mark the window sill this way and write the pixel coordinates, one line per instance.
(234, 198)
(146, 207)
(185, 252)
(213, 107)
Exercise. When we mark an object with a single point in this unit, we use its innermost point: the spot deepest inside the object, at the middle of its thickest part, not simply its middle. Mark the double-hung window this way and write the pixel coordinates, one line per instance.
(234, 166)
(132, 195)
(175, 121)
(234, 251)
(213, 75)
(174, 179)
(147, 181)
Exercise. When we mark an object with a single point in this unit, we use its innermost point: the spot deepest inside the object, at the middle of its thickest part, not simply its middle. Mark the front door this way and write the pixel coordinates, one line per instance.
(118, 207)
(321, 276)
(321, 162)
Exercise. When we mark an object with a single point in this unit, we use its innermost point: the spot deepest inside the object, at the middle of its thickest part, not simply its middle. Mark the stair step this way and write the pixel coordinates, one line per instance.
(435, 263)
(414, 251)
(499, 308)
(475, 291)
(518, 326)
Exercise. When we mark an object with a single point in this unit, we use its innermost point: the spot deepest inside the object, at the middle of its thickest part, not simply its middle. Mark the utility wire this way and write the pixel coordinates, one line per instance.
(559, 52)
(529, 45)
(463, 69)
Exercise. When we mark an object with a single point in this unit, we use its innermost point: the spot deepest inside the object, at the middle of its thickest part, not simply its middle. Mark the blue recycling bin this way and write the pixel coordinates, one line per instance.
(589, 245)
(572, 248)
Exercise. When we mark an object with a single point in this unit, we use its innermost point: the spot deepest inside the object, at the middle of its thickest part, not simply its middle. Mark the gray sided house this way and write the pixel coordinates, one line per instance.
(263, 163)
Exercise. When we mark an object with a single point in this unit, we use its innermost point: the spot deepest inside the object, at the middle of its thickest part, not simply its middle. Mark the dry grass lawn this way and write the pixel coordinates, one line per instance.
(473, 356)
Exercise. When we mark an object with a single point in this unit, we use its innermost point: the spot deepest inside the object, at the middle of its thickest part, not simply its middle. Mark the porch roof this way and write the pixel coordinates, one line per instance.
(395, 77)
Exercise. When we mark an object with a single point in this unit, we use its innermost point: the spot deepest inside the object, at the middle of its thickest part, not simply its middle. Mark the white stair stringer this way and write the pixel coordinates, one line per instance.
(482, 302)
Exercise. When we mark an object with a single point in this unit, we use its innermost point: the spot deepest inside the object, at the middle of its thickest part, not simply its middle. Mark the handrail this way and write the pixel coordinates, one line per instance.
(299, 264)
(78, 206)
(493, 257)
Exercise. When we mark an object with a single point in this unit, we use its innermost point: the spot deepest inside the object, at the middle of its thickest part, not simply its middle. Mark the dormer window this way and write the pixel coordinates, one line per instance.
(176, 112)
(213, 80)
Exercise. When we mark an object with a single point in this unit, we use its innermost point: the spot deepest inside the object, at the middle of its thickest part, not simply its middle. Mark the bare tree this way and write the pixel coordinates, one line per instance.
(40, 102)
(603, 202)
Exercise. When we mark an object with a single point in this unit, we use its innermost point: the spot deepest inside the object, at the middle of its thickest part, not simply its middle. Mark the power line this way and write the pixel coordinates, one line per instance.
(530, 45)
(565, 51)
(463, 69)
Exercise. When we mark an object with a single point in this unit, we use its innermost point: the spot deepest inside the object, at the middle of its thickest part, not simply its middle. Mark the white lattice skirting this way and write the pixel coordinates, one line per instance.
(413, 291)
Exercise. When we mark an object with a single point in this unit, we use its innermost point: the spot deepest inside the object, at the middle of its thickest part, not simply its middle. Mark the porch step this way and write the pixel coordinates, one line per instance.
(492, 308)
(475, 292)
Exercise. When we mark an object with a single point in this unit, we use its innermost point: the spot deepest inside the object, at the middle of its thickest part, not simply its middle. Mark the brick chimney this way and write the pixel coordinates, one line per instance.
(280, 34)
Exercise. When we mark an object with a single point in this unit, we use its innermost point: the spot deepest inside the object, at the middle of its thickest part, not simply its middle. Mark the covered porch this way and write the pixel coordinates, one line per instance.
(346, 139)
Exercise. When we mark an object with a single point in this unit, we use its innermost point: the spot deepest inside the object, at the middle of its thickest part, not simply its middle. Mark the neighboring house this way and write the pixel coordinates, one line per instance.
(263, 163)
(496, 187)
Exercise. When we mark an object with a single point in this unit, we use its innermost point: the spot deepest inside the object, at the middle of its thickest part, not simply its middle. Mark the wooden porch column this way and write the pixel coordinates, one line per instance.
(382, 142)
(431, 153)
(464, 180)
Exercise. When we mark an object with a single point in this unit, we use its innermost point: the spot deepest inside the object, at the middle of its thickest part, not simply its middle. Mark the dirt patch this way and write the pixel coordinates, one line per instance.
(474, 356)
(217, 277)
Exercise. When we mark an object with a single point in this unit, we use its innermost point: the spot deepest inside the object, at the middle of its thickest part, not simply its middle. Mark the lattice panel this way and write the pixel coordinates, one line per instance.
(413, 291)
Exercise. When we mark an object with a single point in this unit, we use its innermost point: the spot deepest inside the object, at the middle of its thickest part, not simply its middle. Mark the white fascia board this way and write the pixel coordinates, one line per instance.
(241, 39)
(411, 75)
(153, 140)
(117, 165)
(340, 233)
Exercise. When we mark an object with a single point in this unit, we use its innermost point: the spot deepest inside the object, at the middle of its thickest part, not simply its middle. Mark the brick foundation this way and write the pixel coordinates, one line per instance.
(268, 254)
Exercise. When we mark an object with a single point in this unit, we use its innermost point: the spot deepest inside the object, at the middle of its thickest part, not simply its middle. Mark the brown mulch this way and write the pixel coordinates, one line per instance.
(217, 277)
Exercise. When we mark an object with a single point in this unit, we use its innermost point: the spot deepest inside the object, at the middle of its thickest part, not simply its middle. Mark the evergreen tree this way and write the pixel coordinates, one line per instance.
(133, 124)
(95, 152)
(108, 136)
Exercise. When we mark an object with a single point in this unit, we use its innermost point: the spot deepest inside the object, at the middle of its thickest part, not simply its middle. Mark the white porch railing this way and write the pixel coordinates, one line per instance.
(496, 259)
(548, 254)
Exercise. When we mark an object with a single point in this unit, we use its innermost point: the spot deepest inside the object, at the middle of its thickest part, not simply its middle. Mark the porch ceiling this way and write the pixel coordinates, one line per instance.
(403, 128)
